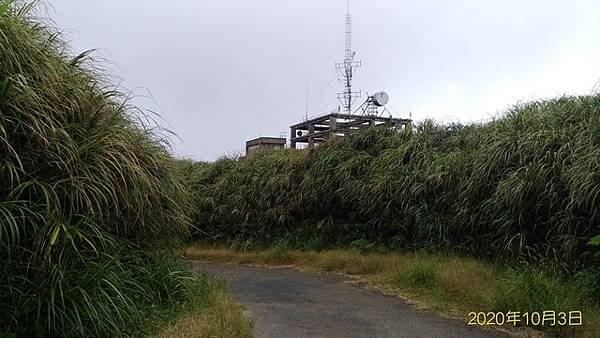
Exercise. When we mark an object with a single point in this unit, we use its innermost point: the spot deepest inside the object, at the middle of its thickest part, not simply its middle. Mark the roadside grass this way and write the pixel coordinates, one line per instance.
(418, 275)
(212, 314)
(450, 285)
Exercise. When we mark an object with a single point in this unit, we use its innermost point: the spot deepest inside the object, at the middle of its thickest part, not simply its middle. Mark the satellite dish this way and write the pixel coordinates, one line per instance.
(299, 133)
(381, 99)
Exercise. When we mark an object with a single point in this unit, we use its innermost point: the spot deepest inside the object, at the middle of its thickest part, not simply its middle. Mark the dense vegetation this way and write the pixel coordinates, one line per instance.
(524, 186)
(85, 187)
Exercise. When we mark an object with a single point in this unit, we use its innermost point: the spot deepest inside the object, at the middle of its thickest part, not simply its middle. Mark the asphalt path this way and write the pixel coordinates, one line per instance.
(283, 302)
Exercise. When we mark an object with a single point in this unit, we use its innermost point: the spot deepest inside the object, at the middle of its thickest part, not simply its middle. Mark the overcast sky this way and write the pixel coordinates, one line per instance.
(221, 72)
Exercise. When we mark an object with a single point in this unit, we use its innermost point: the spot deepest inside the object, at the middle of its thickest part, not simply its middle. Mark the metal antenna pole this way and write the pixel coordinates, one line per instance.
(347, 68)
(306, 109)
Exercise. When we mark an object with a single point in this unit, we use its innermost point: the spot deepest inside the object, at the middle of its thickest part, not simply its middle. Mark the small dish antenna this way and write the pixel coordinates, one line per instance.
(380, 99)
(373, 104)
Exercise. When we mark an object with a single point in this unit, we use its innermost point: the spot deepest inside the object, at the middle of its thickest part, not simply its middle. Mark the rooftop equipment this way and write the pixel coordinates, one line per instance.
(344, 120)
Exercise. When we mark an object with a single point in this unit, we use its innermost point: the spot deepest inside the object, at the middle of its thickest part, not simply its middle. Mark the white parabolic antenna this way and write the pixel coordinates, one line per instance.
(381, 98)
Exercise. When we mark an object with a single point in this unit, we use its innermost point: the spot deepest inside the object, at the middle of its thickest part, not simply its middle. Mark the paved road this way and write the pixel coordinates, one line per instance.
(286, 303)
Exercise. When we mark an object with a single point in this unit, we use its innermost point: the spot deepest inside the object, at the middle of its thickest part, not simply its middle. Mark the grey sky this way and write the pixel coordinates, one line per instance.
(223, 72)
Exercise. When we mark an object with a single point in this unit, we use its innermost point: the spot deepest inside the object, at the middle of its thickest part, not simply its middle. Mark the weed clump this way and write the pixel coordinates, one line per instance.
(531, 292)
(534, 291)
(418, 275)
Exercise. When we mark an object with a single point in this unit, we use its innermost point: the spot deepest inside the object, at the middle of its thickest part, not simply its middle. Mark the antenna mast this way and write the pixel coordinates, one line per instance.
(306, 109)
(346, 69)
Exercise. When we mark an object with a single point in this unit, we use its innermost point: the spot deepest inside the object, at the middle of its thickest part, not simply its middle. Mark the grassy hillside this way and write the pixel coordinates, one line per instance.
(524, 187)
(86, 190)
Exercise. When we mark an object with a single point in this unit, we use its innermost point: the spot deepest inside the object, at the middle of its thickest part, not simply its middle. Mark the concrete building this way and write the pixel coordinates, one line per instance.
(263, 143)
